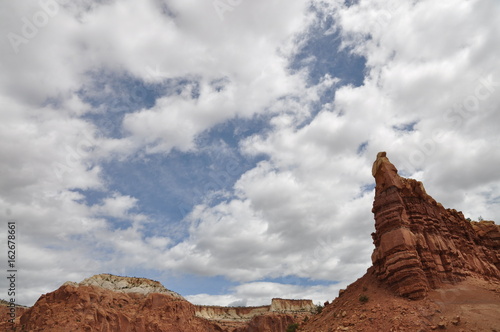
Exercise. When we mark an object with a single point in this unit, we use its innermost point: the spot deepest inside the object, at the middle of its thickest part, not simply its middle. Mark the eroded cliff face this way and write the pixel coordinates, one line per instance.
(284, 306)
(446, 264)
(229, 313)
(292, 306)
(419, 245)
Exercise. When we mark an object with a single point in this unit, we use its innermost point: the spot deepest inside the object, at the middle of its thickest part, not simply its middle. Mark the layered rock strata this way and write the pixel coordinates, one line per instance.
(284, 306)
(419, 244)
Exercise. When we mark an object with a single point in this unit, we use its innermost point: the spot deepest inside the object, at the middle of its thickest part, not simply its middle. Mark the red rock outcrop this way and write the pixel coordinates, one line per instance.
(270, 318)
(108, 303)
(448, 266)
(270, 322)
(10, 313)
(419, 245)
(93, 308)
(489, 233)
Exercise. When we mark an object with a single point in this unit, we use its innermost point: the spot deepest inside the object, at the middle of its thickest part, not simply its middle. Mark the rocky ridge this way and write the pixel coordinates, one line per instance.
(126, 285)
(111, 303)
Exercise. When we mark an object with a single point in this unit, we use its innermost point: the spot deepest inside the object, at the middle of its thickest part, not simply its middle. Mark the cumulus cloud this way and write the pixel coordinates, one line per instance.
(261, 293)
(423, 100)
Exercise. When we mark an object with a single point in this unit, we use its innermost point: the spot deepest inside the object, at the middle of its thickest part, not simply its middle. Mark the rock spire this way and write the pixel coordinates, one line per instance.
(419, 245)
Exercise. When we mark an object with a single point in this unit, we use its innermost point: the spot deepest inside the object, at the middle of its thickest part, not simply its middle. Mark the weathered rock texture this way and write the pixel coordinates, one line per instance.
(93, 308)
(292, 306)
(108, 303)
(269, 322)
(419, 245)
(126, 285)
(448, 265)
(229, 313)
(10, 313)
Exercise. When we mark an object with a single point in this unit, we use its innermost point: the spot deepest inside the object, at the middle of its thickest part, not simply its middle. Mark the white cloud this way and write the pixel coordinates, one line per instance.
(434, 64)
(312, 183)
(116, 206)
(261, 293)
(48, 151)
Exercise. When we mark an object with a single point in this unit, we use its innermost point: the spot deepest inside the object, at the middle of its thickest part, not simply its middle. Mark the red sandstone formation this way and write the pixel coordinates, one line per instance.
(269, 322)
(10, 314)
(93, 308)
(419, 244)
(108, 303)
(271, 318)
(432, 268)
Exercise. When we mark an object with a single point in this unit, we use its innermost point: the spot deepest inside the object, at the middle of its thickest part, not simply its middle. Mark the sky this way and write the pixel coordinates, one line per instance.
(224, 148)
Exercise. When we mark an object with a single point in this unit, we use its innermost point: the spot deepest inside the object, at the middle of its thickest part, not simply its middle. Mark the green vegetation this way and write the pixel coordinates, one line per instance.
(292, 327)
(363, 298)
(319, 308)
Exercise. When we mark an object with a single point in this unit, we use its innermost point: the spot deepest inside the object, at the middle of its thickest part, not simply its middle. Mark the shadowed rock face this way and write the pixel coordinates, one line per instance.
(419, 244)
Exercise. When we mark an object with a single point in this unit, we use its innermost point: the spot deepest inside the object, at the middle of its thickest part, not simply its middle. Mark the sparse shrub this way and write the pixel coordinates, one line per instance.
(319, 308)
(292, 327)
(365, 288)
(306, 319)
(363, 298)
